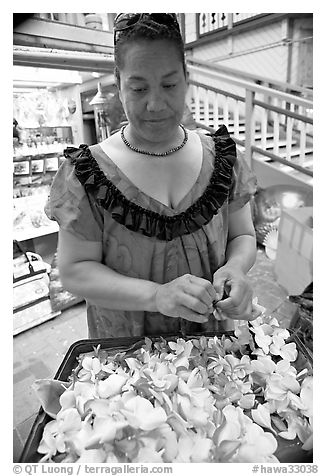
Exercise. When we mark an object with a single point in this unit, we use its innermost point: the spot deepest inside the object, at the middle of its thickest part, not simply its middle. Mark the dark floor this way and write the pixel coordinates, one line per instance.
(38, 352)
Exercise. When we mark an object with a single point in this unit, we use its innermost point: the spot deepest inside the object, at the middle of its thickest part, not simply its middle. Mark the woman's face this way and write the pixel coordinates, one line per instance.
(152, 90)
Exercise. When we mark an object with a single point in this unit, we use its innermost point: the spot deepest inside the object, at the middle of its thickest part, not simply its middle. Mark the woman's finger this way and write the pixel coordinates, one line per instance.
(243, 310)
(256, 311)
(201, 293)
(191, 315)
(206, 287)
(219, 287)
(194, 304)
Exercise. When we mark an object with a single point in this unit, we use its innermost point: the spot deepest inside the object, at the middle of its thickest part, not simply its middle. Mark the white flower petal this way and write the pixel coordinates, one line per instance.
(261, 416)
(68, 399)
(201, 450)
(288, 435)
(111, 386)
(141, 413)
(289, 352)
(146, 455)
(92, 456)
(247, 401)
(87, 363)
(68, 420)
(308, 444)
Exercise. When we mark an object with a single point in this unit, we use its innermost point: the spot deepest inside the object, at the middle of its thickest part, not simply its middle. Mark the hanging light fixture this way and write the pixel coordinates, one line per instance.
(99, 98)
(102, 123)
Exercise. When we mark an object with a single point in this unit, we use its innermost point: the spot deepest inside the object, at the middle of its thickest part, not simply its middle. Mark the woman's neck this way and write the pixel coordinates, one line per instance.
(177, 138)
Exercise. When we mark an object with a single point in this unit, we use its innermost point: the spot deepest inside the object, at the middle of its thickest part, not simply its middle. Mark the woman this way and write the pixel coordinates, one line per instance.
(155, 221)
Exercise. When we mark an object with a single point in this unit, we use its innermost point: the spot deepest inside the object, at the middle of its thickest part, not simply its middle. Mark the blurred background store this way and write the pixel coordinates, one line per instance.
(249, 71)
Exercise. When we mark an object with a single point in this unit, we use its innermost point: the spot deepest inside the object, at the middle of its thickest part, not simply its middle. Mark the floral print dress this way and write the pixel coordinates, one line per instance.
(143, 238)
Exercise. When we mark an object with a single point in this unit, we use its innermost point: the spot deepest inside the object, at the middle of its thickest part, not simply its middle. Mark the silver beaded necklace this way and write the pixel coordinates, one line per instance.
(155, 154)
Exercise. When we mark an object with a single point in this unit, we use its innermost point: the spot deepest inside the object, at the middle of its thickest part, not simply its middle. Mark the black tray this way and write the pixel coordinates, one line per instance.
(288, 452)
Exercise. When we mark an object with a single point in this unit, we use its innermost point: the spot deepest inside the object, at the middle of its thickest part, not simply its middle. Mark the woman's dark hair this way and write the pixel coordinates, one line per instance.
(146, 30)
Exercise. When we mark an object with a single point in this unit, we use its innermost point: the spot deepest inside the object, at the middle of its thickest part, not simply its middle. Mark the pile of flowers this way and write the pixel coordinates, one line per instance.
(207, 399)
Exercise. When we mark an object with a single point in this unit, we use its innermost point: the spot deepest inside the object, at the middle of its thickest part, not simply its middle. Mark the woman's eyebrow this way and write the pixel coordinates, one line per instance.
(170, 74)
(141, 78)
(135, 78)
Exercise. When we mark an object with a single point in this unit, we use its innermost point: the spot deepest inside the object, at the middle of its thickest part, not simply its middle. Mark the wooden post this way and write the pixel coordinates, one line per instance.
(197, 25)
(230, 20)
(249, 125)
(230, 36)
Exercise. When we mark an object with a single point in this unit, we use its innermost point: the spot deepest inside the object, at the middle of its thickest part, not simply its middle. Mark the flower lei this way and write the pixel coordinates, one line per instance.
(207, 399)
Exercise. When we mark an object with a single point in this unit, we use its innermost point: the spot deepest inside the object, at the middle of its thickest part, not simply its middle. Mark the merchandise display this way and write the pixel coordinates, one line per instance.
(31, 299)
(36, 159)
(39, 154)
(29, 219)
(245, 397)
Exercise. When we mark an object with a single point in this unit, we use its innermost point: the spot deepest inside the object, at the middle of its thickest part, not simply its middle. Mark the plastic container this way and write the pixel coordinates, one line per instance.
(294, 258)
(288, 451)
(93, 20)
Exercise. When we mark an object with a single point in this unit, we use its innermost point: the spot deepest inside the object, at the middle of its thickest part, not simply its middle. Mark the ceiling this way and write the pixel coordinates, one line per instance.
(26, 79)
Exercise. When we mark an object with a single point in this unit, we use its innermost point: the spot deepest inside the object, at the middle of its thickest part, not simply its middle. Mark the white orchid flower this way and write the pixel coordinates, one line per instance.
(247, 401)
(261, 416)
(111, 386)
(306, 395)
(193, 448)
(140, 413)
(104, 431)
(201, 400)
(262, 340)
(91, 366)
(147, 455)
(68, 399)
(257, 446)
(92, 456)
(263, 365)
(52, 441)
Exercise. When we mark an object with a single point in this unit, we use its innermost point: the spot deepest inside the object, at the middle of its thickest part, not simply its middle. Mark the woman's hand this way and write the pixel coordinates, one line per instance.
(238, 303)
(188, 297)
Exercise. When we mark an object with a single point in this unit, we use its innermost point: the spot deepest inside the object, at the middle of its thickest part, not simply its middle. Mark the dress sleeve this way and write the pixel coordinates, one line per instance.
(244, 183)
(70, 206)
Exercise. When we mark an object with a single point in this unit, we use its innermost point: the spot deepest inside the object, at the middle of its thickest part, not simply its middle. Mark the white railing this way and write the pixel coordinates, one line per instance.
(242, 16)
(211, 21)
(268, 123)
(254, 78)
(214, 21)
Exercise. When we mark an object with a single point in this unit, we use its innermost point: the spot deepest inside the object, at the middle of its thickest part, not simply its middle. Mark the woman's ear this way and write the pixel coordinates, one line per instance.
(117, 78)
(119, 92)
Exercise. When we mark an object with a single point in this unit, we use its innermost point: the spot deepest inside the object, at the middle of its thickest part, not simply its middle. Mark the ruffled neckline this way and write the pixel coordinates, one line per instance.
(135, 194)
(145, 221)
